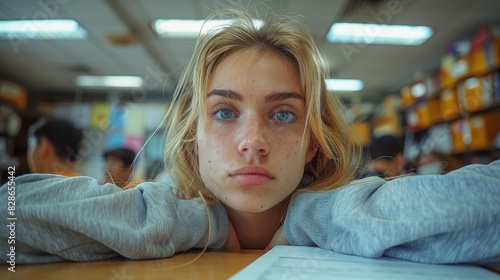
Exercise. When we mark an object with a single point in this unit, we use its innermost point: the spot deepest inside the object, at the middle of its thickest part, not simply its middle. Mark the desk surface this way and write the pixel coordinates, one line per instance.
(210, 265)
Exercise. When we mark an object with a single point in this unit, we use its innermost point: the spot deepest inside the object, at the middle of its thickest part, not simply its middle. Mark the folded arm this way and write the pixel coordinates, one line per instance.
(60, 218)
(449, 218)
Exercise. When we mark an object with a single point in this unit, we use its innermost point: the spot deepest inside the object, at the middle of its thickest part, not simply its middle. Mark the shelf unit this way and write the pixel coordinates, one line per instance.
(456, 110)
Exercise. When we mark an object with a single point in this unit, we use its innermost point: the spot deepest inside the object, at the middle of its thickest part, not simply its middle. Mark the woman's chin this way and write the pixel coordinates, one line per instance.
(246, 206)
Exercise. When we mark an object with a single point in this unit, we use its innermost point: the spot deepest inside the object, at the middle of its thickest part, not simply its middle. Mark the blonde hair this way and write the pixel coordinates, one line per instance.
(338, 145)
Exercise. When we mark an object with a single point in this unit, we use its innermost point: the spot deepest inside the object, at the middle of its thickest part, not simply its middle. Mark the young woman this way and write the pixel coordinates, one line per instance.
(260, 155)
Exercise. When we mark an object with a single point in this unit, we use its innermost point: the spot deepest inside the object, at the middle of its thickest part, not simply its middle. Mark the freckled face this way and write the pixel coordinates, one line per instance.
(250, 142)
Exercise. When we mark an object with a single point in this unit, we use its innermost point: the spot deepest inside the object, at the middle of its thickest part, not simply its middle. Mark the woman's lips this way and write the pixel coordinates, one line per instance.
(251, 175)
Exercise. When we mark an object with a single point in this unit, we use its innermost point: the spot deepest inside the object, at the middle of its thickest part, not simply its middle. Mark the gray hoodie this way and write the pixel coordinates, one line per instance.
(451, 218)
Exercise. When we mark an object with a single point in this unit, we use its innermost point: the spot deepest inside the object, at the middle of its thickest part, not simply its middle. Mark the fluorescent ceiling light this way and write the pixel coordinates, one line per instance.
(344, 84)
(109, 81)
(361, 33)
(179, 28)
(41, 29)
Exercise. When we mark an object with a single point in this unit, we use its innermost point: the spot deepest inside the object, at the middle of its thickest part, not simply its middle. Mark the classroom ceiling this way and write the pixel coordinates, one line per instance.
(121, 42)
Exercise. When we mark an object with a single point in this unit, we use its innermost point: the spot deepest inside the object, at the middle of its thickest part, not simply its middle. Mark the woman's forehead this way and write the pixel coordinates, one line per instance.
(249, 68)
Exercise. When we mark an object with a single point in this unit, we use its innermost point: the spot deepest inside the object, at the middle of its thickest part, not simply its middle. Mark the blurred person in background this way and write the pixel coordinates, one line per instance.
(385, 156)
(53, 147)
(119, 168)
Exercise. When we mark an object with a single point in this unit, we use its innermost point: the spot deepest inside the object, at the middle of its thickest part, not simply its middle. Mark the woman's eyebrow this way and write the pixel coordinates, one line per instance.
(227, 93)
(279, 96)
(273, 97)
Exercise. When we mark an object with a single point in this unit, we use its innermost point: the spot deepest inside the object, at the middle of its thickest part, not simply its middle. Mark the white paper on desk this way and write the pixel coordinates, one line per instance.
(301, 263)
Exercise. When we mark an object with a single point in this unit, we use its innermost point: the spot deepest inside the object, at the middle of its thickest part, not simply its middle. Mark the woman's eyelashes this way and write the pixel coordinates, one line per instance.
(223, 112)
(284, 114)
(281, 114)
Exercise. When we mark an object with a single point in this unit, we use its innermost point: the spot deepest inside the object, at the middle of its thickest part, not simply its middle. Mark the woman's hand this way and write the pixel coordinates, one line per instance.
(279, 238)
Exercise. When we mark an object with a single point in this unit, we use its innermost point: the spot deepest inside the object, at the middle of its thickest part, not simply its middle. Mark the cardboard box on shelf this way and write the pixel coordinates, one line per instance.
(447, 62)
(425, 114)
(450, 107)
(434, 105)
(407, 98)
(459, 130)
(475, 93)
(484, 128)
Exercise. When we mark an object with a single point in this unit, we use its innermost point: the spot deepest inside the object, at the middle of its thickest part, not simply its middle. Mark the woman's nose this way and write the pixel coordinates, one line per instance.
(254, 139)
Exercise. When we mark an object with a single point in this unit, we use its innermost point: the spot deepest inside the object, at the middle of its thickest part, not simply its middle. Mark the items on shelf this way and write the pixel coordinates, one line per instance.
(476, 55)
(460, 102)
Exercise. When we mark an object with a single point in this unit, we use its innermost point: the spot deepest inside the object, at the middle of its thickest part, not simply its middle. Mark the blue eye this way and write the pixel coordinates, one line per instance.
(225, 114)
(284, 116)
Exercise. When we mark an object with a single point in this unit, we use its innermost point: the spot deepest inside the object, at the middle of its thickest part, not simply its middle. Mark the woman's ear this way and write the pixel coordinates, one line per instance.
(313, 150)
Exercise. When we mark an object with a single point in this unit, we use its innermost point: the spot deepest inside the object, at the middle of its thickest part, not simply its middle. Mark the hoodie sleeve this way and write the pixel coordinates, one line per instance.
(452, 218)
(58, 218)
